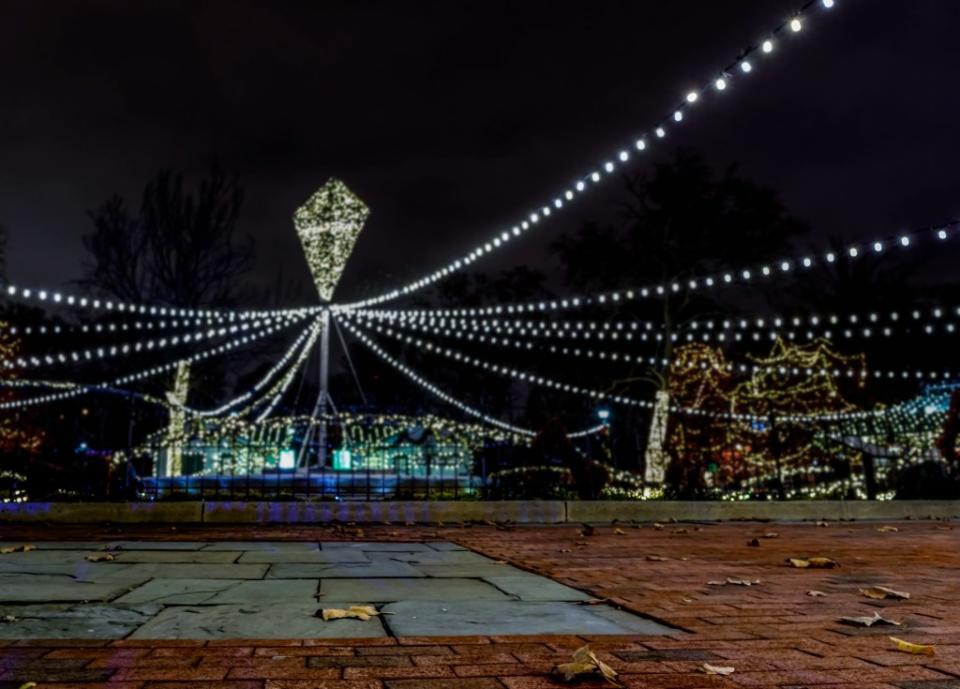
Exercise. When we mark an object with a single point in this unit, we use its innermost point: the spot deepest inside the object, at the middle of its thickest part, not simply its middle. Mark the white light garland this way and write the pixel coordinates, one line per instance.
(148, 372)
(716, 85)
(149, 345)
(782, 267)
(276, 394)
(58, 298)
(440, 394)
(598, 395)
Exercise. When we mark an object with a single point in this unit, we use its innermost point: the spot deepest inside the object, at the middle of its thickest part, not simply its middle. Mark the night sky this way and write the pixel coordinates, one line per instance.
(450, 119)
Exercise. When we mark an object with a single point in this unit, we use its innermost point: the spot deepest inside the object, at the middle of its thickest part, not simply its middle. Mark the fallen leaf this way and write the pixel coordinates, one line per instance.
(909, 647)
(17, 549)
(813, 593)
(743, 582)
(888, 529)
(771, 534)
(753, 543)
(881, 592)
(716, 583)
(687, 600)
(812, 562)
(680, 531)
(101, 557)
(657, 526)
(28, 685)
(8, 619)
(717, 669)
(587, 530)
(822, 524)
(867, 621)
(620, 532)
(565, 550)
(656, 558)
(359, 612)
(585, 662)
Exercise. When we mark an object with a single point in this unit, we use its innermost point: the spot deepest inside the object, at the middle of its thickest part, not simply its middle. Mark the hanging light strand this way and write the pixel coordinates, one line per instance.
(717, 86)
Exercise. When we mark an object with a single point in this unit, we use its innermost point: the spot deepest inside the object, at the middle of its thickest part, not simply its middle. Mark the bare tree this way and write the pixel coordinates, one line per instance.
(180, 249)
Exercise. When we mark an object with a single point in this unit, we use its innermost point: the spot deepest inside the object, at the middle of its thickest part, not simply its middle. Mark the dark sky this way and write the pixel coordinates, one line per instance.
(451, 118)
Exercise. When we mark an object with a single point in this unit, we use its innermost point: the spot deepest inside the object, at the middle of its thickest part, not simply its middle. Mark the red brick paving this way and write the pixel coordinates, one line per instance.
(774, 634)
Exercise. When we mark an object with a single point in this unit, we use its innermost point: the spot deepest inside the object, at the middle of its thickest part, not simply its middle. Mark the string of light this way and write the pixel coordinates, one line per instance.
(425, 384)
(628, 358)
(148, 345)
(276, 394)
(148, 372)
(783, 267)
(702, 331)
(718, 85)
(597, 395)
(55, 298)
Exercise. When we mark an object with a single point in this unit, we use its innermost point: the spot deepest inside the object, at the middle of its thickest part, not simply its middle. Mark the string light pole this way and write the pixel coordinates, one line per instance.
(328, 226)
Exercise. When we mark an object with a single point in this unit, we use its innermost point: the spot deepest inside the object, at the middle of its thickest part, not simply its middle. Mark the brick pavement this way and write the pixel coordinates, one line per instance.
(773, 633)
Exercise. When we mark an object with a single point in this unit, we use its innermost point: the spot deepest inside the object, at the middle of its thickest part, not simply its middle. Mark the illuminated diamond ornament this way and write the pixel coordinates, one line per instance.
(328, 225)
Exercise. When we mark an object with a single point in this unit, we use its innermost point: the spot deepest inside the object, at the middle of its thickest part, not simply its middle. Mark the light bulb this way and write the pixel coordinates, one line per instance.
(827, 3)
(795, 25)
(721, 84)
(692, 97)
(745, 66)
(641, 144)
(767, 46)
(677, 116)
(661, 133)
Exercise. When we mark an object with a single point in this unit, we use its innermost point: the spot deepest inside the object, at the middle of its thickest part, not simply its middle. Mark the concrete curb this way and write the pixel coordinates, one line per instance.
(520, 511)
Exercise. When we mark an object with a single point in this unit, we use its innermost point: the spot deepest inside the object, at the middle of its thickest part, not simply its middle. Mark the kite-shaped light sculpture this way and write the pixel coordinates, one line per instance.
(328, 225)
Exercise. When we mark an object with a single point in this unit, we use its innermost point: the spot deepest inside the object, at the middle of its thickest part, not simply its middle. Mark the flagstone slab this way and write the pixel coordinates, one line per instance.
(49, 588)
(388, 590)
(530, 587)
(327, 557)
(434, 557)
(377, 547)
(73, 621)
(249, 621)
(475, 571)
(177, 556)
(154, 545)
(185, 571)
(263, 546)
(466, 618)
(177, 591)
(342, 571)
(268, 592)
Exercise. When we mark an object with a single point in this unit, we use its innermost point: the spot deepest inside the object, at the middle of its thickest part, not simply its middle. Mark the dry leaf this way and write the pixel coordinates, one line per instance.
(771, 534)
(8, 619)
(687, 600)
(753, 543)
(620, 532)
(743, 582)
(656, 558)
(101, 557)
(716, 669)
(908, 647)
(680, 531)
(812, 562)
(17, 549)
(28, 685)
(813, 593)
(868, 621)
(359, 612)
(565, 550)
(585, 662)
(716, 583)
(881, 592)
(888, 529)
(821, 523)
(587, 530)
(657, 526)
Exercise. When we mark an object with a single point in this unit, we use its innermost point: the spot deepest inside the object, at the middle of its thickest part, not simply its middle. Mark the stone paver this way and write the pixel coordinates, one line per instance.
(252, 621)
(72, 621)
(177, 591)
(395, 589)
(348, 570)
(433, 618)
(530, 587)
